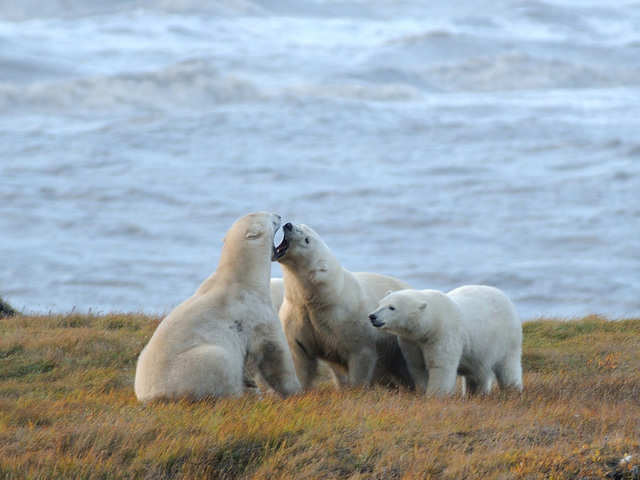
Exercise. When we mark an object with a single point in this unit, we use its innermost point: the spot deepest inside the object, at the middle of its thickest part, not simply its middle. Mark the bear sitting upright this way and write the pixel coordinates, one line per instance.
(206, 345)
(473, 331)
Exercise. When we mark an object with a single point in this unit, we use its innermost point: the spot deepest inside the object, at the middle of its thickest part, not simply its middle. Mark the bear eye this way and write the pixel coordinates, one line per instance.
(306, 240)
(391, 307)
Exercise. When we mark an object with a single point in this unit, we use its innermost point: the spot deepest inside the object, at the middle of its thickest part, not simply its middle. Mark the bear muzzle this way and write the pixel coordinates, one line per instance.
(374, 321)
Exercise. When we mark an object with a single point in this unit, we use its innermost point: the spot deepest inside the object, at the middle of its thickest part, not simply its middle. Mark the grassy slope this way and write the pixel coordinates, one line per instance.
(67, 409)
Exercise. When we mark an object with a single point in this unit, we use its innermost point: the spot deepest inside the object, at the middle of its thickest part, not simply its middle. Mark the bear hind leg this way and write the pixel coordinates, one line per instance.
(509, 373)
(479, 379)
(204, 371)
(471, 384)
(361, 367)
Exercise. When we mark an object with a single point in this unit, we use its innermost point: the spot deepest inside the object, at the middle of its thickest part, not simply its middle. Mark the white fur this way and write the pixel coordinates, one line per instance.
(324, 316)
(473, 330)
(277, 293)
(205, 345)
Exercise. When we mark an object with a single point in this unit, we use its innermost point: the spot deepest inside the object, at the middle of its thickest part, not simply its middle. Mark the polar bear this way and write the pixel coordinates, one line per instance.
(207, 343)
(322, 313)
(473, 331)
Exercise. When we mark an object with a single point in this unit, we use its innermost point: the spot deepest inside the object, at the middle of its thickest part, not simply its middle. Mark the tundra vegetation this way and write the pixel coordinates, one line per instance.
(6, 310)
(67, 410)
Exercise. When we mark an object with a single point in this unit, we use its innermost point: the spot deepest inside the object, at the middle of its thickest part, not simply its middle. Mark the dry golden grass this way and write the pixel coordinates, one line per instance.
(67, 410)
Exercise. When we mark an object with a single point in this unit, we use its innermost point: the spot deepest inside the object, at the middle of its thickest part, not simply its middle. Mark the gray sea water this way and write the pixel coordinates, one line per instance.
(445, 143)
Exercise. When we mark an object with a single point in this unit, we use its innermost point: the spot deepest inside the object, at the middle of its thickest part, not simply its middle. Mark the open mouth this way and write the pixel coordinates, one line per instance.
(278, 251)
(377, 323)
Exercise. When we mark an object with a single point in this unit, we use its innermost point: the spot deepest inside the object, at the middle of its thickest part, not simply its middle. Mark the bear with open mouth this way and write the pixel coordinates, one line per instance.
(324, 315)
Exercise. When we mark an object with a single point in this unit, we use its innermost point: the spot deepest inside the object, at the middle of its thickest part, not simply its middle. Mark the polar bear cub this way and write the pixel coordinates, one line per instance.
(473, 331)
(229, 327)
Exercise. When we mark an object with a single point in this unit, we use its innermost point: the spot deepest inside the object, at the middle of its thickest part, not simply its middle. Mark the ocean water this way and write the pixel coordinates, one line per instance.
(445, 143)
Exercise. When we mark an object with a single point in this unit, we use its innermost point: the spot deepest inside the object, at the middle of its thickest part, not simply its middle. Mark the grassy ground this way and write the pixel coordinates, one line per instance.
(67, 410)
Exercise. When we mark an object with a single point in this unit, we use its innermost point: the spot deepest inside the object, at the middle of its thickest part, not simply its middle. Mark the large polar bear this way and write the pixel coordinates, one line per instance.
(473, 330)
(322, 315)
(206, 344)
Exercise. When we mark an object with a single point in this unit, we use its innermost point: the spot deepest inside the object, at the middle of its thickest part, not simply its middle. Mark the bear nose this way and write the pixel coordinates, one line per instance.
(372, 316)
(288, 227)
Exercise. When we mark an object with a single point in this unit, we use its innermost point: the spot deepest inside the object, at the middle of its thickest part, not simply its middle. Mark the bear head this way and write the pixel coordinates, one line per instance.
(401, 313)
(303, 249)
(250, 238)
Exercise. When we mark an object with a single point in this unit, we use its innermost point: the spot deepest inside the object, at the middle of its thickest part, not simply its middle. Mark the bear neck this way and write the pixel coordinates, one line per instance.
(443, 317)
(307, 286)
(249, 268)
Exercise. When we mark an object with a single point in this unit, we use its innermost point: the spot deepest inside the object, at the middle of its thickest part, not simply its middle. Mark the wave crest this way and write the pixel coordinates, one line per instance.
(187, 83)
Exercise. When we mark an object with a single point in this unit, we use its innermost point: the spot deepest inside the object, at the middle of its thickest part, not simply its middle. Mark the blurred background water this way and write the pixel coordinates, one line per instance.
(445, 143)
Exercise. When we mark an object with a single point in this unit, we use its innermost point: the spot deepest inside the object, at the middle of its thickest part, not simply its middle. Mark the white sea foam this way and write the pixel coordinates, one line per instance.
(186, 84)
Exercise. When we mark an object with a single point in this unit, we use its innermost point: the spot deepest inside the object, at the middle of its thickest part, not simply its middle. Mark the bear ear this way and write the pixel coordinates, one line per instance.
(422, 306)
(388, 292)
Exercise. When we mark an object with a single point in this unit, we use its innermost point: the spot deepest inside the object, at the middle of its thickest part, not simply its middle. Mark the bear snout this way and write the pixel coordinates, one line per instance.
(288, 226)
(374, 320)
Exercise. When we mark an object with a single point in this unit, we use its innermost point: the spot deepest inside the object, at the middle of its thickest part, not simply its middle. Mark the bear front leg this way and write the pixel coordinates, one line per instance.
(415, 364)
(442, 360)
(442, 381)
(305, 363)
(277, 369)
(299, 336)
(268, 349)
(361, 366)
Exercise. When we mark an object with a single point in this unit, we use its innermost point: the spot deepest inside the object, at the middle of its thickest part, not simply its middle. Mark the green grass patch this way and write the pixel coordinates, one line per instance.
(21, 369)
